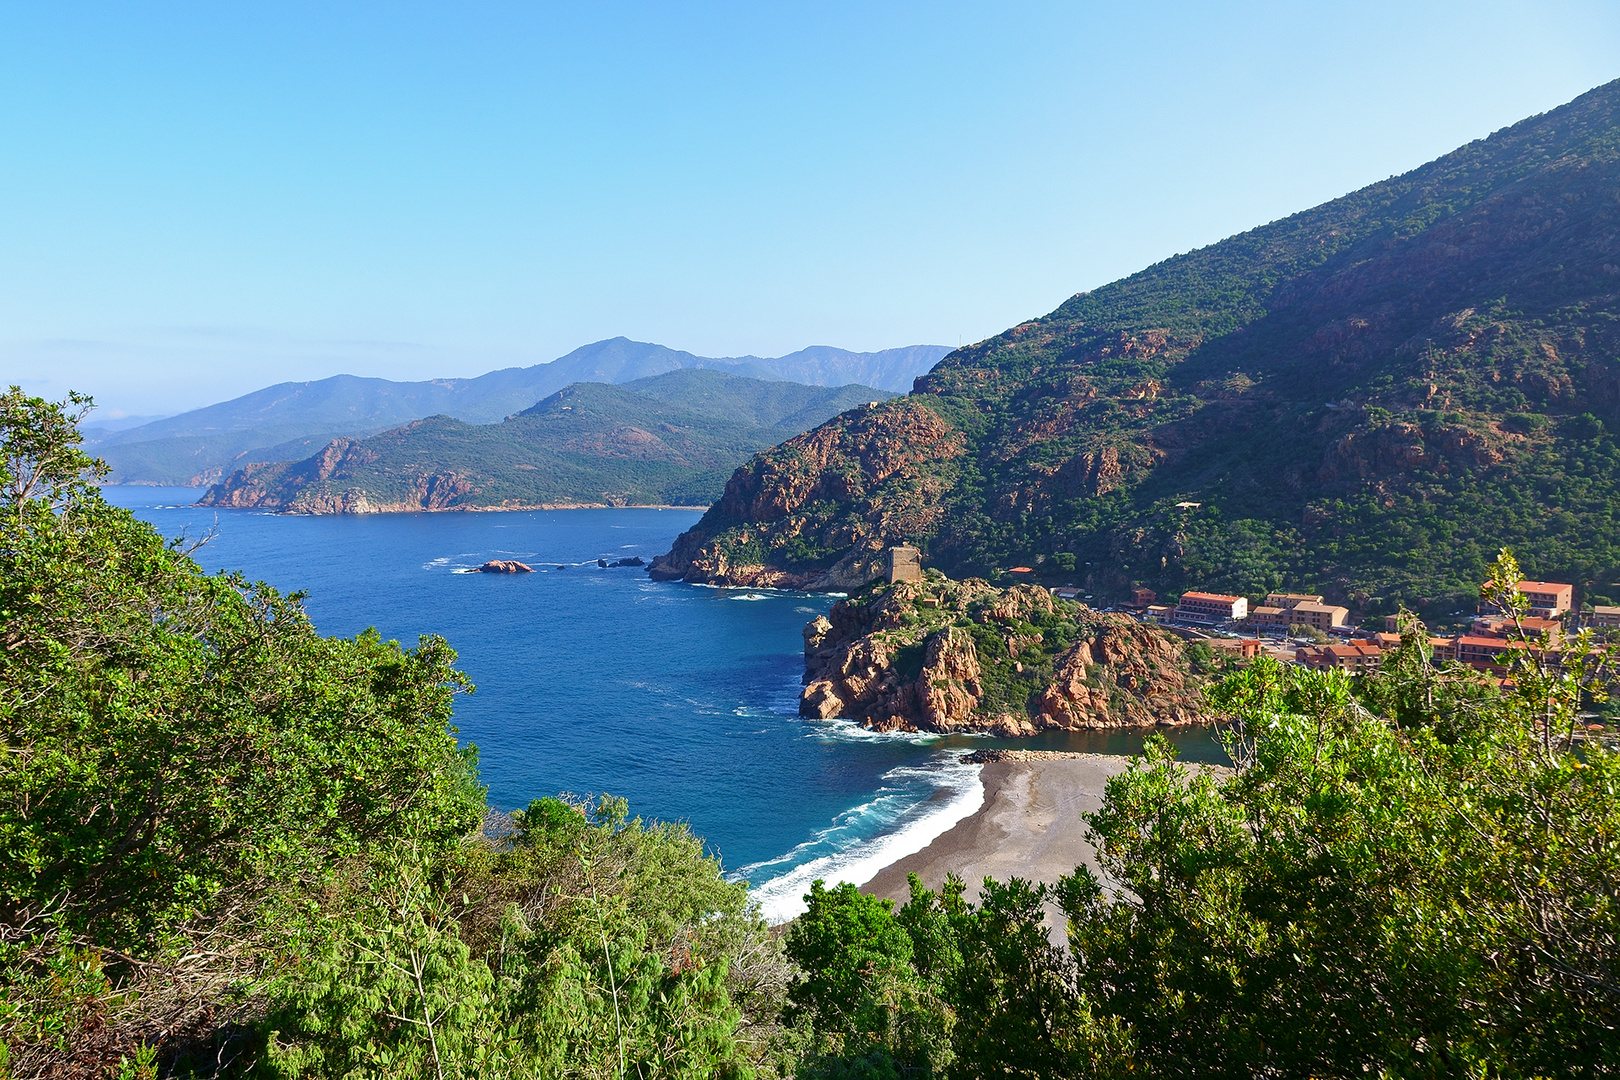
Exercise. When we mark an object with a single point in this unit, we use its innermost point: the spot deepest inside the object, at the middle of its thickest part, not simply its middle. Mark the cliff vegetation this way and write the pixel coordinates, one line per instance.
(1366, 399)
(946, 656)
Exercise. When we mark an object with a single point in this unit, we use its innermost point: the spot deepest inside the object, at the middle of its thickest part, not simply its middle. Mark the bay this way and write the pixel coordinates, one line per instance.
(680, 698)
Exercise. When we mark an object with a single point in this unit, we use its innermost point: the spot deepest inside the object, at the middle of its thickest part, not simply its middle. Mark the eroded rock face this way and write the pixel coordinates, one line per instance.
(892, 459)
(905, 659)
(1128, 675)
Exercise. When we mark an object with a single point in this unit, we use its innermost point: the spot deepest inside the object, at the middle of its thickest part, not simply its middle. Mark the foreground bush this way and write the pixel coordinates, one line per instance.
(1435, 897)
(231, 846)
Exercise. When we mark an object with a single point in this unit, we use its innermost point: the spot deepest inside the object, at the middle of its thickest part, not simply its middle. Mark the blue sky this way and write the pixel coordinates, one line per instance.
(200, 199)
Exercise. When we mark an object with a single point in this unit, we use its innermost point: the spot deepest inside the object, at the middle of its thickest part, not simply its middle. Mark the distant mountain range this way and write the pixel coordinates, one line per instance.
(667, 440)
(1365, 399)
(292, 420)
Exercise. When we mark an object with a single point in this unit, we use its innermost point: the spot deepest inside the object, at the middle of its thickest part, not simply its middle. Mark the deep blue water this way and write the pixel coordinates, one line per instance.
(683, 699)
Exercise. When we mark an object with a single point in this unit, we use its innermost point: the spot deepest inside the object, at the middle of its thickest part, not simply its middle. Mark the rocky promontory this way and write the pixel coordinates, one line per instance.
(964, 656)
(776, 526)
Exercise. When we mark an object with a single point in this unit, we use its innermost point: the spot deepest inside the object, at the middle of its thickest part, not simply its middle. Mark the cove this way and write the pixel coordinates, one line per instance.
(682, 699)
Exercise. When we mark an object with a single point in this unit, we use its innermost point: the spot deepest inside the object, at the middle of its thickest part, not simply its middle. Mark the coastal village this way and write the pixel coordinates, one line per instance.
(1304, 629)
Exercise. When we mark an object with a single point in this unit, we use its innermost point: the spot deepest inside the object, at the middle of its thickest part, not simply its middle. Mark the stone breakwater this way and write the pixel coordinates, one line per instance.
(945, 656)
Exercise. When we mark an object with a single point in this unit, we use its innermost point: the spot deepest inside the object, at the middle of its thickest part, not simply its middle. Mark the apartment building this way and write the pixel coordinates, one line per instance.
(1289, 599)
(1605, 617)
(1322, 616)
(1282, 610)
(1356, 657)
(1548, 599)
(1210, 608)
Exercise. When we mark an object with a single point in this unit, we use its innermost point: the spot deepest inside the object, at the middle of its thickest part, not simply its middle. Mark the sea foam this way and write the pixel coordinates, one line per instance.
(894, 824)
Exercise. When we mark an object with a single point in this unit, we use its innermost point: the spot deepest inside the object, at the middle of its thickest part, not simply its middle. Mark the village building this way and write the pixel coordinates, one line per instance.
(1267, 617)
(1241, 648)
(1288, 599)
(1500, 626)
(1356, 657)
(1159, 613)
(1141, 598)
(1605, 617)
(1282, 610)
(1210, 608)
(1548, 599)
(1066, 592)
(1480, 651)
(1319, 615)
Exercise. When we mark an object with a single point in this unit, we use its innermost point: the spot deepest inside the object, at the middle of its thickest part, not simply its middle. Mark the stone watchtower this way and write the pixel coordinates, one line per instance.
(905, 564)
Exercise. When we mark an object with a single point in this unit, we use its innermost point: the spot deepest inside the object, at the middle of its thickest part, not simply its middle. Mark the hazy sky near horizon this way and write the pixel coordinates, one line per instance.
(197, 200)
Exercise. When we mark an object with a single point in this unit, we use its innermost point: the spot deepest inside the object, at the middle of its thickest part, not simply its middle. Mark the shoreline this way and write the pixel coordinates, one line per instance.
(1028, 826)
(1018, 813)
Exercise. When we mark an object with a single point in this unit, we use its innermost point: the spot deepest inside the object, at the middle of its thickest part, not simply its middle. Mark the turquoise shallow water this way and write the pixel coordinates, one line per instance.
(682, 699)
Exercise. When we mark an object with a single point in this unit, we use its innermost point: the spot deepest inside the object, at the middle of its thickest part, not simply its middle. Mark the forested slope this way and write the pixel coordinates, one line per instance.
(1367, 399)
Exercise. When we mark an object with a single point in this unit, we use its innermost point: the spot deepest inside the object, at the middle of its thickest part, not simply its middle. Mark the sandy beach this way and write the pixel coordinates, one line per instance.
(1030, 825)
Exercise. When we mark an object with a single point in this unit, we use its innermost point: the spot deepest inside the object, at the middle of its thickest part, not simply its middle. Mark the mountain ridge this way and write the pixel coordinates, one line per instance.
(202, 445)
(669, 439)
(1364, 398)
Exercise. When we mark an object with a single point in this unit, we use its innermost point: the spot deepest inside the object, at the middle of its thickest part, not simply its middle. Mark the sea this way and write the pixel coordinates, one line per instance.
(683, 699)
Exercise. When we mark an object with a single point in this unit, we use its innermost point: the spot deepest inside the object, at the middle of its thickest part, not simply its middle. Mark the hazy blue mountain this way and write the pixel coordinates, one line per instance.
(669, 439)
(823, 365)
(98, 426)
(273, 424)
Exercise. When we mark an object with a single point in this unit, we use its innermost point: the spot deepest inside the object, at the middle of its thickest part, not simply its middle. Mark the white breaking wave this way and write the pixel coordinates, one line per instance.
(850, 731)
(781, 898)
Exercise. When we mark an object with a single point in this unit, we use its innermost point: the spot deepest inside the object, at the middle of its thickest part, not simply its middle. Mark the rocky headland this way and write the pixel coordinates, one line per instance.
(1344, 401)
(964, 656)
(886, 455)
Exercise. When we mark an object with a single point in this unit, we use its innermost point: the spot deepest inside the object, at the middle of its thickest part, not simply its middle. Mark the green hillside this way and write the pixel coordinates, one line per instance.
(1365, 399)
(670, 439)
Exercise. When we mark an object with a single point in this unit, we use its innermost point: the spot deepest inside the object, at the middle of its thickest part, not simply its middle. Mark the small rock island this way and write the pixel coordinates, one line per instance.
(505, 566)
